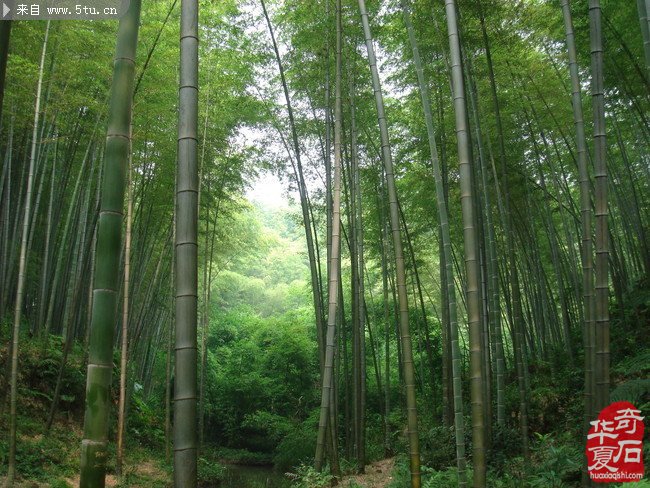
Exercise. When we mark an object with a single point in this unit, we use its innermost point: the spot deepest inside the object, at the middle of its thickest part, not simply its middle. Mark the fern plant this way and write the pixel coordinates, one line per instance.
(439, 479)
(634, 391)
(554, 463)
(638, 363)
(638, 484)
(307, 477)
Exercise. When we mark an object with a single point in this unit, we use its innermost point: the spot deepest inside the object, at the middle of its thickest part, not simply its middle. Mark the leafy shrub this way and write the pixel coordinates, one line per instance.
(446, 477)
(555, 464)
(634, 391)
(242, 456)
(307, 477)
(439, 445)
(506, 442)
(401, 473)
(632, 322)
(37, 376)
(39, 456)
(639, 363)
(145, 423)
(645, 483)
(439, 479)
(298, 445)
(209, 471)
(263, 430)
(375, 437)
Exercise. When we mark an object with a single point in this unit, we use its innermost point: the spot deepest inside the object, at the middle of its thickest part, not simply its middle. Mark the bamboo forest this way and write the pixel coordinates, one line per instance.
(316, 243)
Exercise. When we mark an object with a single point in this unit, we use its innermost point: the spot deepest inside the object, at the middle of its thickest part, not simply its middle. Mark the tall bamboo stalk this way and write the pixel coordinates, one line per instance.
(48, 236)
(5, 33)
(22, 275)
(186, 245)
(383, 240)
(585, 211)
(601, 318)
(170, 342)
(124, 346)
(335, 253)
(5, 271)
(645, 31)
(109, 236)
(518, 325)
(470, 239)
(407, 348)
(360, 286)
(446, 259)
(328, 141)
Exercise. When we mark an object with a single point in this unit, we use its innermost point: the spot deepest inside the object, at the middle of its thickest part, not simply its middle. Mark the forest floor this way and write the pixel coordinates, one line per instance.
(52, 460)
(142, 475)
(377, 475)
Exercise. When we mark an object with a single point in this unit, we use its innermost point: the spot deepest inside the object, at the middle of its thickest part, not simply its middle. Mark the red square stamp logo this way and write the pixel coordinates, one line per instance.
(615, 444)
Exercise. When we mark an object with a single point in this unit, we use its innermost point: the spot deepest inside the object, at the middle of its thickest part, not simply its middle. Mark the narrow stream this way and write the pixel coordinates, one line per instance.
(242, 476)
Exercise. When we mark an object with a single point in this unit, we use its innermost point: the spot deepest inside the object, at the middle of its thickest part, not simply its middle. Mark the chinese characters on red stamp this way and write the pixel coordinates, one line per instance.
(615, 444)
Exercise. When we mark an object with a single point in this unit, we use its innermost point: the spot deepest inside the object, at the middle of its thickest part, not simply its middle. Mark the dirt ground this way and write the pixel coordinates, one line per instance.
(377, 475)
(147, 470)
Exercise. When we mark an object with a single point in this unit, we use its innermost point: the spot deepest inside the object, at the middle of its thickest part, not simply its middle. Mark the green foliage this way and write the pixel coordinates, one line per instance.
(132, 476)
(401, 473)
(144, 422)
(634, 391)
(42, 457)
(39, 455)
(553, 403)
(439, 446)
(273, 427)
(299, 445)
(645, 483)
(262, 369)
(638, 363)
(39, 368)
(439, 479)
(241, 456)
(210, 471)
(262, 364)
(307, 477)
(375, 449)
(59, 484)
(631, 362)
(263, 384)
(632, 323)
(52, 456)
(264, 265)
(448, 476)
(505, 447)
(556, 462)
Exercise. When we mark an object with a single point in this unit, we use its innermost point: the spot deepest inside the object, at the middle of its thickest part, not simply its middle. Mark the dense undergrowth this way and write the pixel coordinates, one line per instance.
(555, 417)
(51, 458)
(279, 427)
